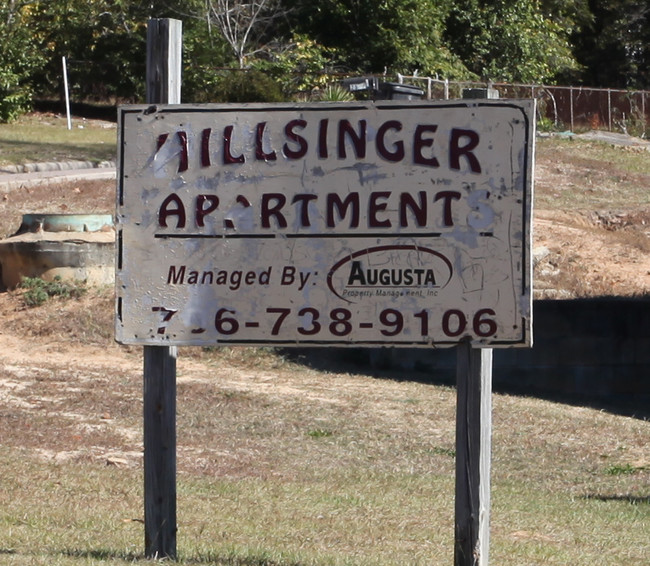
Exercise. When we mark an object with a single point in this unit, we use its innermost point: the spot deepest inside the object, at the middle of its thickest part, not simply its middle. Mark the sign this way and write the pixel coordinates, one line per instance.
(375, 223)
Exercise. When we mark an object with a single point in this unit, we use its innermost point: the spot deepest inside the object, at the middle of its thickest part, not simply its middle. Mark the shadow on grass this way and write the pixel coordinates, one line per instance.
(627, 498)
(215, 559)
(103, 554)
(87, 110)
(381, 364)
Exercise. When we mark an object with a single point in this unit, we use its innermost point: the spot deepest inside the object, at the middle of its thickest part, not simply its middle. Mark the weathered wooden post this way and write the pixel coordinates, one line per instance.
(164, 40)
(473, 453)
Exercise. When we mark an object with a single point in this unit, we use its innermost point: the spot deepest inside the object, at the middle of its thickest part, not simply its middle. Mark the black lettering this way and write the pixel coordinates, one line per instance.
(356, 274)
(174, 277)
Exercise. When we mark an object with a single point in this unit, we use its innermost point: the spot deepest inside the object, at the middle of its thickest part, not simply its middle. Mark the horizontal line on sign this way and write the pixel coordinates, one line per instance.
(305, 236)
(214, 236)
(369, 235)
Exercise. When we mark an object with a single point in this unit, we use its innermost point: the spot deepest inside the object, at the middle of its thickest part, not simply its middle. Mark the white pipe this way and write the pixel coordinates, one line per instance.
(67, 95)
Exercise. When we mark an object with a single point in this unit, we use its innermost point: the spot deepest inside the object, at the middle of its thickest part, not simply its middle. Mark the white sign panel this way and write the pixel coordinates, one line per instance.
(363, 223)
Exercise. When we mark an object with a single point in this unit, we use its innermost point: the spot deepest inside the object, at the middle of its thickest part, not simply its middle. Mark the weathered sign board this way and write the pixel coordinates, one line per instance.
(377, 223)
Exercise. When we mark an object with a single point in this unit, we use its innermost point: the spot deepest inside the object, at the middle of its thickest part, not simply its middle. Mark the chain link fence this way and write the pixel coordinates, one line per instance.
(561, 107)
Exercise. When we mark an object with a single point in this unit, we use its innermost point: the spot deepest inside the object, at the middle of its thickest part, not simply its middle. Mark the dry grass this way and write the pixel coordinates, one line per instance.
(283, 465)
(574, 175)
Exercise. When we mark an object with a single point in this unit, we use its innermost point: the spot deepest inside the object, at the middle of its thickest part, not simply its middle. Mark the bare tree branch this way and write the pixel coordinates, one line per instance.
(245, 24)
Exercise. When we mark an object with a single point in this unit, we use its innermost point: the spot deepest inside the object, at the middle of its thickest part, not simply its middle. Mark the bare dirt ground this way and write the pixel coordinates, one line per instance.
(58, 363)
(591, 232)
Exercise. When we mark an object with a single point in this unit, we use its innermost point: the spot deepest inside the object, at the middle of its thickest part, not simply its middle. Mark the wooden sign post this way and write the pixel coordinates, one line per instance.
(473, 447)
(473, 441)
(163, 86)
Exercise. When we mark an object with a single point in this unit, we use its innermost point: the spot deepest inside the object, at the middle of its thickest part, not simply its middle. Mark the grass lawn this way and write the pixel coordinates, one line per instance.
(281, 464)
(45, 137)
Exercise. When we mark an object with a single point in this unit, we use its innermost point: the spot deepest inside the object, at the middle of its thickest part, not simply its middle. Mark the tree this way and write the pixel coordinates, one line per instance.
(247, 26)
(103, 40)
(372, 36)
(18, 59)
(512, 40)
(620, 36)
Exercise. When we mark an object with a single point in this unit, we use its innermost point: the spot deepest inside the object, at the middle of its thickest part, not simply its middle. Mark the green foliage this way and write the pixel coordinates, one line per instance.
(15, 98)
(39, 291)
(18, 60)
(509, 41)
(303, 65)
(623, 470)
(247, 86)
(320, 433)
(103, 41)
(370, 36)
(619, 34)
(299, 45)
(335, 93)
(204, 54)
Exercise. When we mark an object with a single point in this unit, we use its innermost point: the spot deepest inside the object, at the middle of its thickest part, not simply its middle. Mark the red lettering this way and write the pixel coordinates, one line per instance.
(228, 223)
(374, 207)
(447, 196)
(268, 211)
(228, 158)
(205, 147)
(182, 138)
(419, 211)
(162, 138)
(351, 201)
(167, 209)
(419, 143)
(202, 211)
(301, 151)
(260, 154)
(456, 151)
(358, 139)
(182, 164)
(304, 199)
(393, 156)
(322, 138)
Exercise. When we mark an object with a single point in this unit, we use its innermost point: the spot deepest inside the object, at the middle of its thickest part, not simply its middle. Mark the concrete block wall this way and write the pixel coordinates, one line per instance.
(595, 348)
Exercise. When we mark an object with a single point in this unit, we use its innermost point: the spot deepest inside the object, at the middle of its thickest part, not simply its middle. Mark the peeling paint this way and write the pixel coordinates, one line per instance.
(283, 224)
